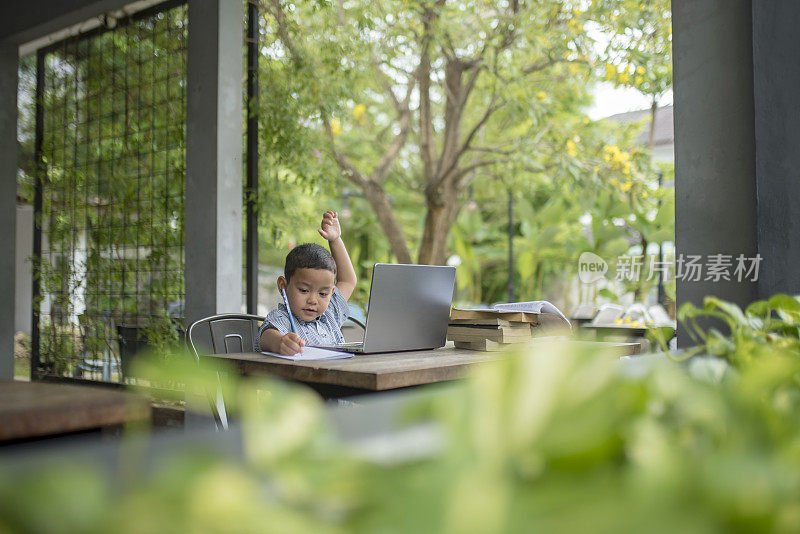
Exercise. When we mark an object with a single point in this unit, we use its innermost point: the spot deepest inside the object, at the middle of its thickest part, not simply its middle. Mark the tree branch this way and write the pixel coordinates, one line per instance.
(349, 170)
(425, 113)
(549, 62)
(492, 150)
(388, 158)
(385, 80)
(536, 170)
(491, 108)
(274, 8)
(477, 165)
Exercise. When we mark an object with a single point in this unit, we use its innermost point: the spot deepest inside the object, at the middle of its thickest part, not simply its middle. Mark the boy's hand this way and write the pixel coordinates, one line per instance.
(291, 344)
(330, 228)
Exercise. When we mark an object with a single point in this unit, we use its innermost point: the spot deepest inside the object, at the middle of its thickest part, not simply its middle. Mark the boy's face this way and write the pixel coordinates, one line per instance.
(309, 292)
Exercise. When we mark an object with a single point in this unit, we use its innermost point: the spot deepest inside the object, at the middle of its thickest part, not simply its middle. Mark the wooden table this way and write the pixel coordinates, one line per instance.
(376, 372)
(30, 410)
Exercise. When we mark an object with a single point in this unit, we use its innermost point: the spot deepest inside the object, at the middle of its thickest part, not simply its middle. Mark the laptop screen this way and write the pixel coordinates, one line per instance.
(409, 307)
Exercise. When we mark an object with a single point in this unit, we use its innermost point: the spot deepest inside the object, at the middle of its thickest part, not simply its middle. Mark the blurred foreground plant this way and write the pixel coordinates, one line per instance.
(551, 440)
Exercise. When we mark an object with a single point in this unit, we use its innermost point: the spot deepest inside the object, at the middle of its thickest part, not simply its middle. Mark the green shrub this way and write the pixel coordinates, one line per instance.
(552, 440)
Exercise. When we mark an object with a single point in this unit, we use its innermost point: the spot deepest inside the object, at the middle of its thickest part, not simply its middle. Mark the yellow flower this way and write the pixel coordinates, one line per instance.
(625, 187)
(586, 120)
(358, 111)
(644, 194)
(618, 159)
(626, 167)
(615, 182)
(624, 78)
(541, 95)
(611, 153)
(638, 80)
(611, 71)
(336, 128)
(572, 148)
(640, 70)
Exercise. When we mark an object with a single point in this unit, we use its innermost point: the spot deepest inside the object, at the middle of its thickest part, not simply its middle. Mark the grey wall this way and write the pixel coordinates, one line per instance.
(715, 186)
(8, 201)
(776, 53)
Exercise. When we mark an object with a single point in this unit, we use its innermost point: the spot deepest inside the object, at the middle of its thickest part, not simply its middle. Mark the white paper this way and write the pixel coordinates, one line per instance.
(532, 306)
(312, 353)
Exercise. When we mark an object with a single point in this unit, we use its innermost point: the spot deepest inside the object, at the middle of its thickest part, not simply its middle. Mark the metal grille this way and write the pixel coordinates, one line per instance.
(110, 206)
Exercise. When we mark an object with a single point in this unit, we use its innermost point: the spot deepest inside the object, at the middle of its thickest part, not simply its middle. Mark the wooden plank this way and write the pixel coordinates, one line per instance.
(35, 409)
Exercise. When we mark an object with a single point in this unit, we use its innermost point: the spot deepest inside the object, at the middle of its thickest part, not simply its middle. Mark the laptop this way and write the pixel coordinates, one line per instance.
(409, 309)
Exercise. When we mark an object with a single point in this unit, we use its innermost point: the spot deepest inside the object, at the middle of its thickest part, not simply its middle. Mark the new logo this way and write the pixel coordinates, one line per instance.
(591, 268)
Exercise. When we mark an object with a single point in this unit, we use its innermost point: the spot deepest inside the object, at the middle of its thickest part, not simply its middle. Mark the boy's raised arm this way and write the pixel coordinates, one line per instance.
(332, 232)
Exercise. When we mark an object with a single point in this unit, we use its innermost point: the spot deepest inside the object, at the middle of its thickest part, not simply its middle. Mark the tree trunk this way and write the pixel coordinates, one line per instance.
(651, 138)
(379, 200)
(442, 212)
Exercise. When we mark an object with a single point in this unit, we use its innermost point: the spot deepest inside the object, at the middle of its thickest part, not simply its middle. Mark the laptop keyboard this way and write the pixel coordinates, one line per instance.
(346, 345)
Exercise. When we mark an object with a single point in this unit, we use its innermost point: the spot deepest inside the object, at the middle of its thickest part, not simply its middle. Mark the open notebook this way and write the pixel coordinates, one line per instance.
(311, 353)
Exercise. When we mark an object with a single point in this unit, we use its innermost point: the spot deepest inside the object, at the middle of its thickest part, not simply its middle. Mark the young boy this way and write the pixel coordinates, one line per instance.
(318, 300)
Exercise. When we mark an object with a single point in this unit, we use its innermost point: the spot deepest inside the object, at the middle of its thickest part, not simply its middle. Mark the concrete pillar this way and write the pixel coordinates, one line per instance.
(715, 183)
(24, 273)
(777, 109)
(8, 198)
(214, 158)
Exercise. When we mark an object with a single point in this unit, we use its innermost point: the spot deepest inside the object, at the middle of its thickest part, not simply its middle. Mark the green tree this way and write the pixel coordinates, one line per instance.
(639, 50)
(418, 98)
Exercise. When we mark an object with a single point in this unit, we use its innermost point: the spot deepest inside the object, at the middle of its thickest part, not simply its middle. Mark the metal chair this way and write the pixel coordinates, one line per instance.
(354, 332)
(230, 333)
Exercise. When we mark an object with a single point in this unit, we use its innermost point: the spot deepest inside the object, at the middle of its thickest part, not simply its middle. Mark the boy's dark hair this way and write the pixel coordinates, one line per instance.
(308, 256)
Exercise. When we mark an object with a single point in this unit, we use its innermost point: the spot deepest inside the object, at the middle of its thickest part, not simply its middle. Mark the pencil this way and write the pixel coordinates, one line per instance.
(289, 311)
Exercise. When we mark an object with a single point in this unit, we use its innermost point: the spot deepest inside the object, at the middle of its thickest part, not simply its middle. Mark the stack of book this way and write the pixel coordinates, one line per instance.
(490, 329)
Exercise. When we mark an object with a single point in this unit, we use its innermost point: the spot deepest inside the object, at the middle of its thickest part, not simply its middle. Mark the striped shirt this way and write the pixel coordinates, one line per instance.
(324, 330)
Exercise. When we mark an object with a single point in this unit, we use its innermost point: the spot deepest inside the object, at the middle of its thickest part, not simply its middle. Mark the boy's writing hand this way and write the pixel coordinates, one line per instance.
(291, 343)
(330, 229)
